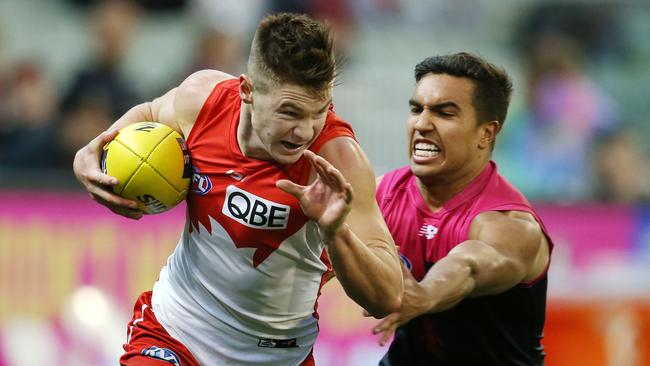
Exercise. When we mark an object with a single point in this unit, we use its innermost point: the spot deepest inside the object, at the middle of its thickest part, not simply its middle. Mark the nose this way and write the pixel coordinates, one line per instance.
(423, 122)
(303, 131)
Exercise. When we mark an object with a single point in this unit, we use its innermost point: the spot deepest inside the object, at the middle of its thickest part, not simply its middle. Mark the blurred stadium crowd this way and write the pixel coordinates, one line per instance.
(577, 130)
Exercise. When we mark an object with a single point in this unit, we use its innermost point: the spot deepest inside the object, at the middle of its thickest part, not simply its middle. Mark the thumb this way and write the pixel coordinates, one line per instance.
(108, 135)
(290, 187)
(103, 139)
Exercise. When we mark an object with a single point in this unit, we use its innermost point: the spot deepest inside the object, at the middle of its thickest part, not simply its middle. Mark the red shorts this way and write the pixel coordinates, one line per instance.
(149, 344)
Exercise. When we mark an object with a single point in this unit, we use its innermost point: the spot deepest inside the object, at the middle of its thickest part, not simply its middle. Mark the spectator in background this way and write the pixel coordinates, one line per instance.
(566, 109)
(99, 93)
(220, 50)
(148, 5)
(622, 168)
(27, 118)
(225, 33)
(339, 14)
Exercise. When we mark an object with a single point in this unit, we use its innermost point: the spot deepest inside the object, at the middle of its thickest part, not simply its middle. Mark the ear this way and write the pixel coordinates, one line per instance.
(245, 89)
(488, 132)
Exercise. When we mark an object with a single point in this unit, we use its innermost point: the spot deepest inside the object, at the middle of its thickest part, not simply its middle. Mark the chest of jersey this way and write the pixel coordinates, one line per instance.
(246, 202)
(422, 239)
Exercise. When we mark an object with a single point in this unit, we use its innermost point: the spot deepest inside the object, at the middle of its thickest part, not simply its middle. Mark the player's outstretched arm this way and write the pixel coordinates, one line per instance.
(504, 249)
(359, 244)
(177, 108)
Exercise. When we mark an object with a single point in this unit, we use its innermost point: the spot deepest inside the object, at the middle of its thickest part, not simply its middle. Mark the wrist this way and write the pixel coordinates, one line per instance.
(427, 301)
(328, 236)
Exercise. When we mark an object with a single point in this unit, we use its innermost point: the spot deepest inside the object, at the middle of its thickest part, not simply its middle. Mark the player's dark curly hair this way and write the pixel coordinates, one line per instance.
(292, 48)
(493, 87)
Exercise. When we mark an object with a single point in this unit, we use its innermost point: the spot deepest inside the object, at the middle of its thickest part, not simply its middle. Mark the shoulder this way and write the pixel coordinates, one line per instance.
(496, 227)
(520, 220)
(500, 191)
(517, 235)
(393, 179)
(192, 93)
(342, 150)
(345, 154)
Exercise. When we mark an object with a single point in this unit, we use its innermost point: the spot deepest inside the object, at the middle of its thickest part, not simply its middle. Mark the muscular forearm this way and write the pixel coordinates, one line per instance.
(369, 273)
(471, 269)
(448, 282)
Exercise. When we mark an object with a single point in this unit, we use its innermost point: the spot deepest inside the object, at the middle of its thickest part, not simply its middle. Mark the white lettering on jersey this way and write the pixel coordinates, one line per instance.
(428, 231)
(254, 211)
(234, 175)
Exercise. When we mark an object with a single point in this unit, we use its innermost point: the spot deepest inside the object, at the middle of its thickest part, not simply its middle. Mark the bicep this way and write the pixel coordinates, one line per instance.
(181, 106)
(162, 110)
(365, 218)
(512, 243)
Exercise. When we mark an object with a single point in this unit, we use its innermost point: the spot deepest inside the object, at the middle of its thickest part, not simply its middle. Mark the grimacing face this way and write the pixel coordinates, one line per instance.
(286, 120)
(445, 141)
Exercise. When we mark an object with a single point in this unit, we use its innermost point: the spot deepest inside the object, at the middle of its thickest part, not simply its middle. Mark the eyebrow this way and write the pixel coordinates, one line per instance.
(438, 106)
(289, 104)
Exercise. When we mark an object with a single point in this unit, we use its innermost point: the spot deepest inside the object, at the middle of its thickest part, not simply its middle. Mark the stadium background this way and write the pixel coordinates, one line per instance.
(575, 142)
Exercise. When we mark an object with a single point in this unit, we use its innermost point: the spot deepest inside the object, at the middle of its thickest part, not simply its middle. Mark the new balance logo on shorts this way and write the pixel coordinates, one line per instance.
(254, 211)
(162, 354)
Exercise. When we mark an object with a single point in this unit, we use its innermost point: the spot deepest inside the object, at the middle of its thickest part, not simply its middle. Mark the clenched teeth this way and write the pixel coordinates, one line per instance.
(424, 149)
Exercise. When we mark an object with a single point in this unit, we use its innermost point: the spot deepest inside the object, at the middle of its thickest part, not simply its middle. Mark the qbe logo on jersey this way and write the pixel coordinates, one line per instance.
(253, 211)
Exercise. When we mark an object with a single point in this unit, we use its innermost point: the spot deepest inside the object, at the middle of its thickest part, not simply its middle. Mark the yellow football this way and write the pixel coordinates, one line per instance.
(151, 163)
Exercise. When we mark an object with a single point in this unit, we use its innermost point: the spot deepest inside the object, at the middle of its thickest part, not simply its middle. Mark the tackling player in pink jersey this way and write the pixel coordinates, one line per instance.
(281, 189)
(475, 253)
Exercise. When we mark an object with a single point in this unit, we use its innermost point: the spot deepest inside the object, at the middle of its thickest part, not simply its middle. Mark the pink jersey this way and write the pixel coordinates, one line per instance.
(501, 329)
(423, 236)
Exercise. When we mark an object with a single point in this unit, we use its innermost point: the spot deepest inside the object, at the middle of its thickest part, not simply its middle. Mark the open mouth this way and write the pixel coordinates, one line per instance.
(291, 146)
(426, 150)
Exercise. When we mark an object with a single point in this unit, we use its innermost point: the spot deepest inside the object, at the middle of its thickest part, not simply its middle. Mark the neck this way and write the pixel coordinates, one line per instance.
(437, 191)
(246, 135)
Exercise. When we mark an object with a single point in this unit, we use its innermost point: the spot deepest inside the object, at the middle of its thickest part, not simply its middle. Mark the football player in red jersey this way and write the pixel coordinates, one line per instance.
(286, 194)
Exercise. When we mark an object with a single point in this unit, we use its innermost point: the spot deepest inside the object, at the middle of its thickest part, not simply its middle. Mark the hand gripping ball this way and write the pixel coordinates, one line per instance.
(151, 162)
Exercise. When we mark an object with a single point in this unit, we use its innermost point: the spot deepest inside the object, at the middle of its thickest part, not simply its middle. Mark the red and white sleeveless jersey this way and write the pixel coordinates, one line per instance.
(242, 284)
